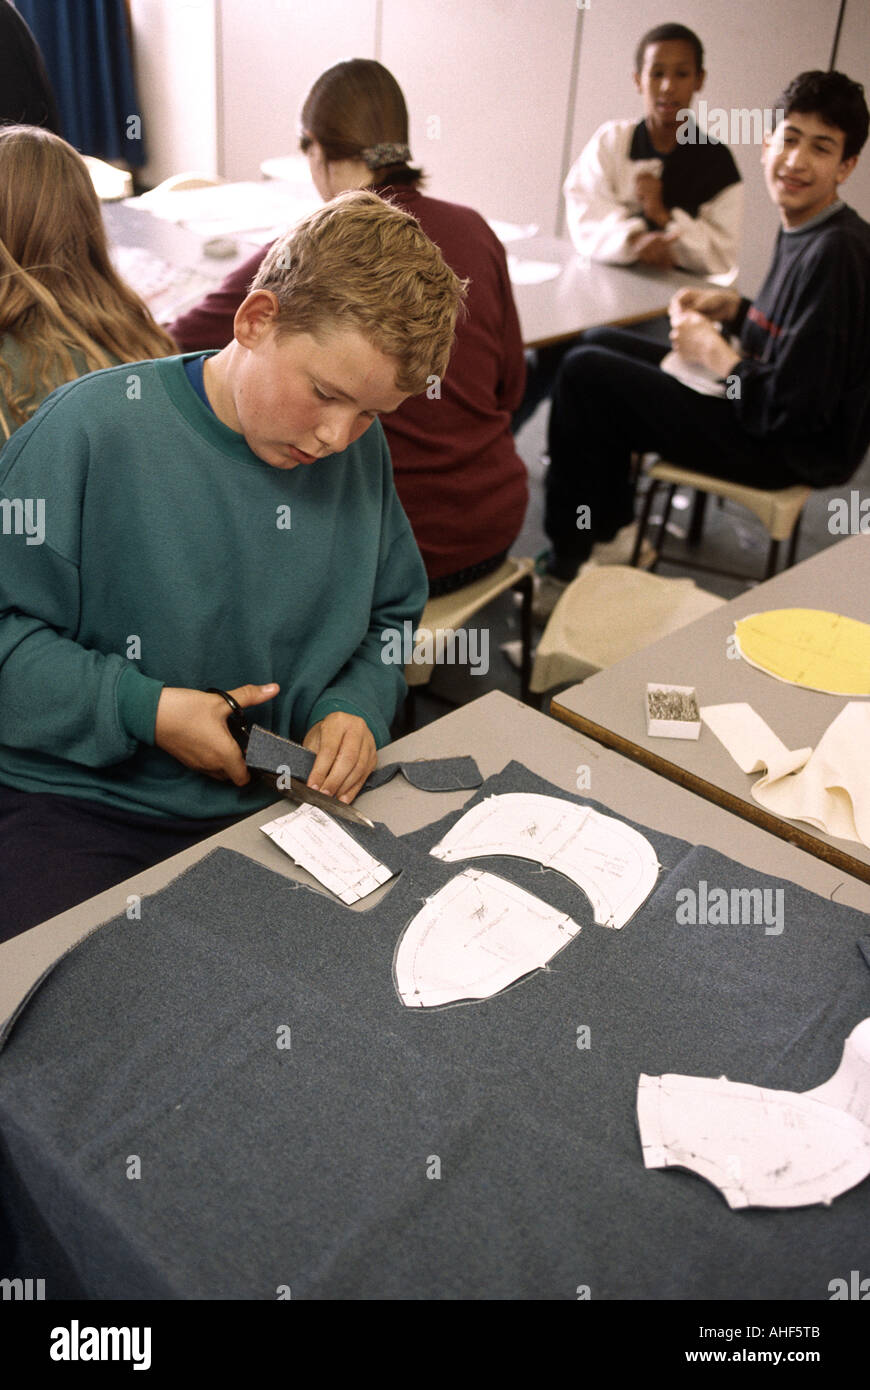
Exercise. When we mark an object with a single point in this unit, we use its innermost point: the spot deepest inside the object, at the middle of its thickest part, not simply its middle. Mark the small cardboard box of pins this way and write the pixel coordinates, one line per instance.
(672, 711)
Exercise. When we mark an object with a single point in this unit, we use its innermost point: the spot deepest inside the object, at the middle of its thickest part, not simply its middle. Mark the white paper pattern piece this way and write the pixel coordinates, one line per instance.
(523, 272)
(474, 937)
(692, 374)
(828, 788)
(614, 865)
(764, 1148)
(315, 842)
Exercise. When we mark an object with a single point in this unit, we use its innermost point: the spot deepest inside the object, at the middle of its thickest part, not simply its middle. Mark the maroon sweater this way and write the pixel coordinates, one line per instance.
(457, 471)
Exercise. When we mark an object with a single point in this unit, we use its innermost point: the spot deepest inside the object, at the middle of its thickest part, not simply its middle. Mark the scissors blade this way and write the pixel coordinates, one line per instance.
(299, 791)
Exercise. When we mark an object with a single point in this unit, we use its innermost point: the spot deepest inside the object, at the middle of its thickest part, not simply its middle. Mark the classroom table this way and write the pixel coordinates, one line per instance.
(584, 294)
(610, 708)
(576, 294)
(515, 1191)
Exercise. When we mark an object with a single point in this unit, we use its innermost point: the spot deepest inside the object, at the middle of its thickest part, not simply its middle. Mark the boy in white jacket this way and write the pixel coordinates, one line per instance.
(652, 191)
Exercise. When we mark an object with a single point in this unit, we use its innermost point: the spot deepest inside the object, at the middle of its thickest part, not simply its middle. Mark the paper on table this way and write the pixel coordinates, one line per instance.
(316, 843)
(614, 865)
(474, 937)
(828, 788)
(523, 272)
(764, 1148)
(692, 374)
(810, 647)
(512, 231)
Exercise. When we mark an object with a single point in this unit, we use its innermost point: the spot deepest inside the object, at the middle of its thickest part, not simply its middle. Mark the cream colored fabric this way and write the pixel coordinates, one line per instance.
(607, 613)
(828, 788)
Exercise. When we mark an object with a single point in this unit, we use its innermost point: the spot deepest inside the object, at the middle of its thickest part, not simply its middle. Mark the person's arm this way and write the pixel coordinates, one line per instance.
(603, 221)
(209, 324)
(795, 393)
(371, 684)
(56, 696)
(708, 243)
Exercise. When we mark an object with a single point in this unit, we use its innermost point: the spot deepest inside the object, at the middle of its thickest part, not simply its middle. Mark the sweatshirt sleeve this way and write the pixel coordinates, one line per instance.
(708, 244)
(600, 221)
(209, 324)
(794, 390)
(56, 696)
(371, 684)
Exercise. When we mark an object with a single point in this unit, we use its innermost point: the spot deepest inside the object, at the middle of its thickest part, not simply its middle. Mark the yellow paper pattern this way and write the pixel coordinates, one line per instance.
(810, 647)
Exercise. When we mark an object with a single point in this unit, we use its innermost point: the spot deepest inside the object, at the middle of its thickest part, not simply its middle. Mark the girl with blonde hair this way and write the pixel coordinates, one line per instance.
(64, 310)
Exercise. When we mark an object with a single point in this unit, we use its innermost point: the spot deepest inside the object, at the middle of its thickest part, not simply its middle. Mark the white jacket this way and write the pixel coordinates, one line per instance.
(604, 213)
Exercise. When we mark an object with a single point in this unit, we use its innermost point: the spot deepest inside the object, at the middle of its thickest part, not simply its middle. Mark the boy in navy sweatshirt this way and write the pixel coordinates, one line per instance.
(797, 404)
(228, 521)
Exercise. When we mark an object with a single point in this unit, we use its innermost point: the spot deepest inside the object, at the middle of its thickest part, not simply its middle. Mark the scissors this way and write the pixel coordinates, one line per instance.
(239, 726)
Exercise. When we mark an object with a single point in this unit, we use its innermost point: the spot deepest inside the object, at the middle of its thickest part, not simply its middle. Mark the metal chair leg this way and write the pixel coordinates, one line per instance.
(664, 521)
(526, 587)
(696, 524)
(772, 554)
(643, 522)
(793, 543)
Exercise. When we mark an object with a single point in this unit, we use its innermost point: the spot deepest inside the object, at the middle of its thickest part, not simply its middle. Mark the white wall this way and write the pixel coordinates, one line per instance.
(491, 81)
(175, 63)
(271, 51)
(853, 58)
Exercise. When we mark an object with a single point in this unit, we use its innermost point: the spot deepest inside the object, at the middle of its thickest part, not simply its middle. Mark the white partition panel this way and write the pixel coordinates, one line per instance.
(176, 80)
(752, 49)
(488, 89)
(853, 58)
(270, 53)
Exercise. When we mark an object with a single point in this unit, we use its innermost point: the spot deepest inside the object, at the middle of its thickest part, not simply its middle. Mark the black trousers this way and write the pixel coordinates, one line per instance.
(56, 851)
(610, 400)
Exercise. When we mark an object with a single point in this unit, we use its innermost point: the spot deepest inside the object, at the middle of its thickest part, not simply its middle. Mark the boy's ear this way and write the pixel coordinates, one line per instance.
(255, 316)
(846, 167)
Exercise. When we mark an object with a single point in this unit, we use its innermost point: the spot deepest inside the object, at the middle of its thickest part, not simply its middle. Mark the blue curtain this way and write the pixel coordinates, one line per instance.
(86, 47)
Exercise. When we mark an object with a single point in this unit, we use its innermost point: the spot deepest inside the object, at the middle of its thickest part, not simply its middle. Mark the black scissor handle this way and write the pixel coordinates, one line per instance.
(237, 722)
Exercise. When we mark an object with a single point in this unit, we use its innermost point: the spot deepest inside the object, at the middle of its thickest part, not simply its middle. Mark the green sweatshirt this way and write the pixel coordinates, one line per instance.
(143, 544)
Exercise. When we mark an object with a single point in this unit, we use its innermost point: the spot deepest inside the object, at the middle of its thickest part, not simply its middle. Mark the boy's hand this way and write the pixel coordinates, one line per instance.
(346, 754)
(648, 190)
(696, 339)
(192, 726)
(718, 305)
(654, 248)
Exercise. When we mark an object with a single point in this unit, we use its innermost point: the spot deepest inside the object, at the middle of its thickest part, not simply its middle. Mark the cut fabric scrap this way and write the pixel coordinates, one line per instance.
(810, 647)
(318, 844)
(764, 1148)
(828, 788)
(614, 865)
(268, 752)
(473, 938)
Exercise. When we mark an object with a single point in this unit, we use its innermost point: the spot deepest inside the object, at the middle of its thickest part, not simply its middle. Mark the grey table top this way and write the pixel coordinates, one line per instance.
(583, 295)
(494, 729)
(610, 705)
(586, 294)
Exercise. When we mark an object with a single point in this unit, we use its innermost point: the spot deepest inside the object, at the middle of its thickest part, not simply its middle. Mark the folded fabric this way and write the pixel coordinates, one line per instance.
(268, 752)
(828, 788)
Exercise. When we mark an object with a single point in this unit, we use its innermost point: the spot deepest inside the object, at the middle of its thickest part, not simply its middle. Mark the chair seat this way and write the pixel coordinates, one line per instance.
(777, 510)
(452, 611)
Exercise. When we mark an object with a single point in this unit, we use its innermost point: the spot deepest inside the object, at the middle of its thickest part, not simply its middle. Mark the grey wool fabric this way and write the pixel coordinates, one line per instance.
(296, 1127)
(267, 752)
